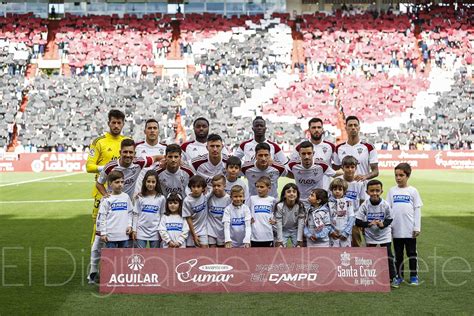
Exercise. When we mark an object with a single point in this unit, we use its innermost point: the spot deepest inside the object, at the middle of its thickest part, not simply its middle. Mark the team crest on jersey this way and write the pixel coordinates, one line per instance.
(91, 152)
(182, 179)
(325, 150)
(360, 150)
(110, 149)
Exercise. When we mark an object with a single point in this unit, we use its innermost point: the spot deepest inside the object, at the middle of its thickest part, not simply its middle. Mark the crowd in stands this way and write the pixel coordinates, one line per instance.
(448, 125)
(357, 62)
(21, 38)
(113, 41)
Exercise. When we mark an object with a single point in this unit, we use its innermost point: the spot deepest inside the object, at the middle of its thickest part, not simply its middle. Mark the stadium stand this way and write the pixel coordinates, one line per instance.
(364, 63)
(113, 41)
(447, 125)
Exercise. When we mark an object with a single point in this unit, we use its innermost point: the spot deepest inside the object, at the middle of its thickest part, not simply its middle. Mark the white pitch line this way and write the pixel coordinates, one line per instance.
(46, 201)
(38, 180)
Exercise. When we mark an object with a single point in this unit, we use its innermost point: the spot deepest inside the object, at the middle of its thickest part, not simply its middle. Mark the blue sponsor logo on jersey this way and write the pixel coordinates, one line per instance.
(238, 221)
(216, 210)
(351, 195)
(150, 209)
(262, 209)
(375, 216)
(119, 206)
(199, 208)
(174, 227)
(401, 199)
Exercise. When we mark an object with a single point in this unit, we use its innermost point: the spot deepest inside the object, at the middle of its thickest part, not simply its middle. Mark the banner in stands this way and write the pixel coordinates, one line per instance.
(41, 162)
(147, 271)
(430, 159)
(388, 159)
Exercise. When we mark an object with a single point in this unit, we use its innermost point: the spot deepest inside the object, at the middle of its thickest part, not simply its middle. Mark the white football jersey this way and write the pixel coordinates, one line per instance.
(308, 179)
(196, 208)
(324, 151)
(262, 212)
(175, 182)
(406, 209)
(236, 216)
(147, 215)
(173, 228)
(367, 213)
(239, 181)
(115, 216)
(356, 192)
(143, 149)
(253, 173)
(130, 173)
(246, 151)
(216, 206)
(193, 149)
(364, 153)
(207, 170)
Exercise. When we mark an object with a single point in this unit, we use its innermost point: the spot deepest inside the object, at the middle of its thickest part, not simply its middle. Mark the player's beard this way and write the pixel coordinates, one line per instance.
(316, 137)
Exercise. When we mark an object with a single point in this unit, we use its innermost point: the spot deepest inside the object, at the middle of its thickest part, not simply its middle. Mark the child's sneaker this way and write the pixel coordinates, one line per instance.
(396, 282)
(414, 281)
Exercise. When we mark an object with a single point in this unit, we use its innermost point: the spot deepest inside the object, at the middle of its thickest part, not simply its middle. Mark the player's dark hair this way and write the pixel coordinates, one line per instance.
(197, 181)
(349, 161)
(218, 177)
(116, 114)
(406, 168)
(315, 120)
(282, 195)
(214, 137)
(258, 118)
(152, 120)
(306, 144)
(127, 142)
(352, 117)
(151, 173)
(321, 195)
(200, 119)
(174, 197)
(173, 148)
(234, 161)
(114, 175)
(339, 183)
(374, 182)
(262, 146)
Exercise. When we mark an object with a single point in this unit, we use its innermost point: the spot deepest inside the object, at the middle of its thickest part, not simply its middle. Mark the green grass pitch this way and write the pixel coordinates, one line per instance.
(32, 273)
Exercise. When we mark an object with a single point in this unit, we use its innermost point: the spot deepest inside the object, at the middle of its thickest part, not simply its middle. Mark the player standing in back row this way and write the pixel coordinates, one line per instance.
(366, 155)
(247, 150)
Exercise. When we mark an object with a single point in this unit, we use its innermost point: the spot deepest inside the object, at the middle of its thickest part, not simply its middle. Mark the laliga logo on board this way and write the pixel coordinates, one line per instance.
(136, 262)
(184, 272)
